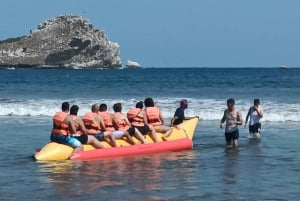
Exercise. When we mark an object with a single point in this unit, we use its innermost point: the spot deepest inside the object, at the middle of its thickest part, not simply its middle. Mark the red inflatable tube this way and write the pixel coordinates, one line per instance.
(165, 146)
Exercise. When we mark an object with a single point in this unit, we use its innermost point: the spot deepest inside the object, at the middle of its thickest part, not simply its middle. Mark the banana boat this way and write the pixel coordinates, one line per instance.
(180, 139)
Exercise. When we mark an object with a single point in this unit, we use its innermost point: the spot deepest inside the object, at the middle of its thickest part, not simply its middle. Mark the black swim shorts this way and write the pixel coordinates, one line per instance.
(143, 129)
(232, 136)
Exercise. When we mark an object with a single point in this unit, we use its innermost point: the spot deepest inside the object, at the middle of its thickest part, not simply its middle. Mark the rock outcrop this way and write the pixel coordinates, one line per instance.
(64, 41)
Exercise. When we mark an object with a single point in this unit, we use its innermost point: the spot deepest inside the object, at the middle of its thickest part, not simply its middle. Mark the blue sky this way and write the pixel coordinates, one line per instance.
(173, 33)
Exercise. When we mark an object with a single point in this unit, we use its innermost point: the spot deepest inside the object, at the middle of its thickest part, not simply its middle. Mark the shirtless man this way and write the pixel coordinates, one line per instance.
(233, 118)
(81, 132)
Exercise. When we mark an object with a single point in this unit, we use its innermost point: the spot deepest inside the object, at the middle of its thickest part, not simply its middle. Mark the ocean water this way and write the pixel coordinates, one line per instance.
(258, 170)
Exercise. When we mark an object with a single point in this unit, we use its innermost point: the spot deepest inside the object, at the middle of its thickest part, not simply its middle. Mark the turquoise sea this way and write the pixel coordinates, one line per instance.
(257, 170)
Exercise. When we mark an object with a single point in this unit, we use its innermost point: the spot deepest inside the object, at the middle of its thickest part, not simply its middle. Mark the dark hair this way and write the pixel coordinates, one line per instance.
(95, 108)
(74, 110)
(184, 103)
(117, 107)
(231, 100)
(139, 105)
(149, 102)
(65, 106)
(256, 101)
(102, 107)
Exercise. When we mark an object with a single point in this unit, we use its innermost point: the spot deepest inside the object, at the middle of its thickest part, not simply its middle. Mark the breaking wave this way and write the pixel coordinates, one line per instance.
(206, 109)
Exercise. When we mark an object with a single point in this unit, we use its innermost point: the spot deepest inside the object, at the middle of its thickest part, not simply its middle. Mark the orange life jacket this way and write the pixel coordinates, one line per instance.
(106, 117)
(152, 114)
(92, 127)
(122, 124)
(59, 126)
(133, 117)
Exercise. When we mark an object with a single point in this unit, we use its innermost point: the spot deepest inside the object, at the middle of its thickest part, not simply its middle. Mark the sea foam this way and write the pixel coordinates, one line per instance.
(206, 109)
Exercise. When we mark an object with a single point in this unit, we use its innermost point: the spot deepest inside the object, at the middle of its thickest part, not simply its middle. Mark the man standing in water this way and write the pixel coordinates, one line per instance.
(233, 118)
(255, 113)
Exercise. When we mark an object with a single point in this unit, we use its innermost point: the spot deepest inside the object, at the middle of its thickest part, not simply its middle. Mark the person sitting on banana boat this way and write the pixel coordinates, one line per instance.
(155, 118)
(137, 118)
(65, 130)
(107, 118)
(95, 126)
(179, 115)
(81, 133)
(121, 122)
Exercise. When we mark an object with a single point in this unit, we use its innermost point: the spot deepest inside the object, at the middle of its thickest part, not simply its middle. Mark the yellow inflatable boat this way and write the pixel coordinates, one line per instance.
(181, 138)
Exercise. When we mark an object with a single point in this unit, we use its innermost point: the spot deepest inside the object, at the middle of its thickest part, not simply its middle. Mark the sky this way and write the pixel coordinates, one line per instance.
(177, 33)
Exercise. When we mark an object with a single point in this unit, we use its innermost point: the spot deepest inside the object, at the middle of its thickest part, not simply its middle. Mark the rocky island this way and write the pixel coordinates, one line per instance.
(61, 42)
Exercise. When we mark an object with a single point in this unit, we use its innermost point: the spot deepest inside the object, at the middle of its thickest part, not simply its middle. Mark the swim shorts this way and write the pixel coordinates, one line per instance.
(64, 139)
(99, 136)
(131, 131)
(143, 129)
(81, 138)
(118, 134)
(255, 128)
(232, 136)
